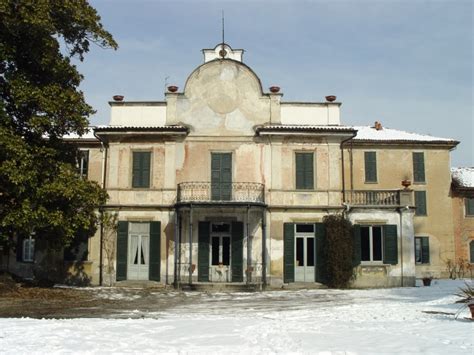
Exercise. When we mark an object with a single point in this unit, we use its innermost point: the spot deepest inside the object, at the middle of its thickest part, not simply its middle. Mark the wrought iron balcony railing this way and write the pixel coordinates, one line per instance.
(373, 198)
(251, 192)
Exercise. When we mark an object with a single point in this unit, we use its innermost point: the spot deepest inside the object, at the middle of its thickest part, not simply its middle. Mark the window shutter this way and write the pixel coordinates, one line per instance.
(471, 249)
(237, 250)
(141, 169)
(226, 176)
(203, 251)
(215, 177)
(145, 169)
(288, 252)
(390, 244)
(420, 203)
(308, 171)
(122, 247)
(299, 166)
(320, 252)
(425, 250)
(469, 206)
(155, 251)
(418, 167)
(370, 166)
(356, 256)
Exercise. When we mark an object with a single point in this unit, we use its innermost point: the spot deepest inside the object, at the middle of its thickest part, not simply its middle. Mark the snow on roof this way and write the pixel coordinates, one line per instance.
(464, 177)
(86, 136)
(366, 133)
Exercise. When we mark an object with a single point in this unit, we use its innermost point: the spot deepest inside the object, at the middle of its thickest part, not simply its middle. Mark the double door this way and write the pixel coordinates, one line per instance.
(139, 251)
(305, 257)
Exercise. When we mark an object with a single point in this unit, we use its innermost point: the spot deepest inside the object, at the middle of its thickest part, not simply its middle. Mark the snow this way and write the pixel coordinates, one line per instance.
(389, 134)
(464, 176)
(381, 321)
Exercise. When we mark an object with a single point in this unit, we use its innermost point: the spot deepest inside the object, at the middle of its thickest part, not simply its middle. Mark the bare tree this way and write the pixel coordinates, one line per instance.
(109, 242)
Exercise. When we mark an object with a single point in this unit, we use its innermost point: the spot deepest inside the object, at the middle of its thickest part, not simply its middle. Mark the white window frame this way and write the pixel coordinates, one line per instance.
(28, 252)
(371, 245)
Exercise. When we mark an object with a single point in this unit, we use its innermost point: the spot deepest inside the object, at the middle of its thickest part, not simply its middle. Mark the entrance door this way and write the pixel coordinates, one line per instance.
(220, 253)
(139, 251)
(304, 253)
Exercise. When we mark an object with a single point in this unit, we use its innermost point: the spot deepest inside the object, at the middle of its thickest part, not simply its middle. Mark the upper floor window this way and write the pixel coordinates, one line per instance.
(141, 169)
(469, 206)
(420, 203)
(418, 167)
(422, 250)
(83, 163)
(304, 163)
(370, 159)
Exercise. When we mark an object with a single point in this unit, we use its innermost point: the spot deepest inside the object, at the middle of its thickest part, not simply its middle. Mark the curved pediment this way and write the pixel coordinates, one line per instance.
(223, 96)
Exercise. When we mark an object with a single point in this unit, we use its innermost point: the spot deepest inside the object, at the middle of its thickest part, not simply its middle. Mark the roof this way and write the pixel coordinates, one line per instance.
(89, 135)
(177, 128)
(370, 134)
(463, 177)
(304, 128)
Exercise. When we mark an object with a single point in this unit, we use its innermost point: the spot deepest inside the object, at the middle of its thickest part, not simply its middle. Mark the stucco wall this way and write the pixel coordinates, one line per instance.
(463, 228)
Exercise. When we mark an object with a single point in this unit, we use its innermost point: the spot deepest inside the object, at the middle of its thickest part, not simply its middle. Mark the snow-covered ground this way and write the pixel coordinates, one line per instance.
(383, 321)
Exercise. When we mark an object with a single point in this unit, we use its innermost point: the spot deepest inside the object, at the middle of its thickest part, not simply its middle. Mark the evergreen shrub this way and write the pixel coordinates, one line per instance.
(338, 251)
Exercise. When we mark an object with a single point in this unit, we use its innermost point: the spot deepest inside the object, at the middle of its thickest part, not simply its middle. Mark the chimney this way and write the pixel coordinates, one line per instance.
(378, 126)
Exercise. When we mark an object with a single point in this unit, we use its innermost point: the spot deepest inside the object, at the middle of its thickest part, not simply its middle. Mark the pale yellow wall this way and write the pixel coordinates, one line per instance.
(463, 228)
(395, 163)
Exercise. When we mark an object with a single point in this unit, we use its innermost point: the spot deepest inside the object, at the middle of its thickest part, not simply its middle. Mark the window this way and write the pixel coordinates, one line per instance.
(141, 169)
(419, 167)
(221, 176)
(422, 250)
(304, 171)
(83, 163)
(471, 251)
(371, 242)
(420, 203)
(469, 206)
(28, 250)
(370, 159)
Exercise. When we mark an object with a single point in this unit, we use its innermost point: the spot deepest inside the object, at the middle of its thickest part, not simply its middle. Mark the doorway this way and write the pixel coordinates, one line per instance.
(138, 251)
(305, 252)
(220, 253)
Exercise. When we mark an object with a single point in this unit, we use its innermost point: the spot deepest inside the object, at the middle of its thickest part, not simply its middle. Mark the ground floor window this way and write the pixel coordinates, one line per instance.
(422, 250)
(371, 239)
(28, 249)
(471, 249)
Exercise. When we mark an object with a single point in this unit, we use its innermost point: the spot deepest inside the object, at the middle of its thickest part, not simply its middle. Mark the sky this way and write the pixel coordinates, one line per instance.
(407, 64)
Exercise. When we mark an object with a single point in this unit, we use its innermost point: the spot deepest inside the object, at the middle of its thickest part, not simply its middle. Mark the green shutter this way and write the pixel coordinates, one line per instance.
(390, 243)
(469, 206)
(356, 256)
(288, 252)
(425, 250)
(122, 247)
(370, 166)
(471, 250)
(299, 162)
(320, 244)
(420, 203)
(308, 171)
(418, 167)
(304, 168)
(221, 176)
(155, 250)
(141, 169)
(203, 251)
(237, 250)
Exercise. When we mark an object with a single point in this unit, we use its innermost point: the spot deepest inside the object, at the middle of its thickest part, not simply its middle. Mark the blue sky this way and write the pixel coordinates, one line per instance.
(407, 64)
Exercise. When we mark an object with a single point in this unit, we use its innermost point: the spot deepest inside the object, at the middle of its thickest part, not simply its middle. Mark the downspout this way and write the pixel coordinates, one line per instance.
(104, 167)
(342, 162)
(400, 210)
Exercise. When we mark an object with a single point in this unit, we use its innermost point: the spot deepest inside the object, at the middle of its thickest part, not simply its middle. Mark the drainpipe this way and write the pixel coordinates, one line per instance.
(342, 162)
(104, 167)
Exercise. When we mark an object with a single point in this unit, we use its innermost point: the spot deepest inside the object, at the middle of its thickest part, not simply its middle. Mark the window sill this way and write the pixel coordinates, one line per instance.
(419, 182)
(422, 264)
(371, 182)
(421, 215)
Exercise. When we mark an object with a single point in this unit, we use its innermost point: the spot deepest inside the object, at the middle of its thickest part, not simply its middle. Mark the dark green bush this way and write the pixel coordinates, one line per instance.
(338, 251)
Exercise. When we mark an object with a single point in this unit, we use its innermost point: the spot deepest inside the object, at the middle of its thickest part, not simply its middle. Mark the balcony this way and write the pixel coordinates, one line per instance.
(207, 192)
(378, 198)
